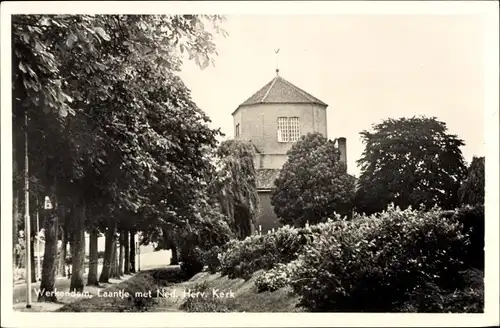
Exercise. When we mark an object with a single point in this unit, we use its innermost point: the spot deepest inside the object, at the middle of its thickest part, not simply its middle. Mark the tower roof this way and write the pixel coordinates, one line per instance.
(279, 90)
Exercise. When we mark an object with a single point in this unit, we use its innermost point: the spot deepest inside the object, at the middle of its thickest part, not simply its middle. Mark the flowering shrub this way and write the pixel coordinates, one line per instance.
(276, 278)
(257, 252)
(241, 258)
(373, 263)
(273, 279)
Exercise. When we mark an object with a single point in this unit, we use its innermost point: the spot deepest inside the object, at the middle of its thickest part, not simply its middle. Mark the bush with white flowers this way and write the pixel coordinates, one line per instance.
(261, 252)
(374, 263)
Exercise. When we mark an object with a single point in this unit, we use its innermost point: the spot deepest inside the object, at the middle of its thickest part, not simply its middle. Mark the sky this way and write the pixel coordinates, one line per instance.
(365, 67)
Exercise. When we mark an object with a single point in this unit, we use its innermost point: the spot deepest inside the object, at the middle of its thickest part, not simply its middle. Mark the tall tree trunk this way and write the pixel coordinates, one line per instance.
(112, 270)
(175, 255)
(108, 251)
(122, 251)
(117, 269)
(93, 259)
(32, 259)
(49, 257)
(126, 244)
(114, 260)
(168, 243)
(132, 251)
(63, 252)
(78, 248)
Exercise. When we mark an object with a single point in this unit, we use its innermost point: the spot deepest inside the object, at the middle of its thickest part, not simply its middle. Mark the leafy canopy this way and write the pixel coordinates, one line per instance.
(472, 188)
(409, 162)
(235, 185)
(313, 184)
(109, 119)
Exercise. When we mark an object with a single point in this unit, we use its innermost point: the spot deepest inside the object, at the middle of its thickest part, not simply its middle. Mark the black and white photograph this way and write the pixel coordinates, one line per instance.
(245, 162)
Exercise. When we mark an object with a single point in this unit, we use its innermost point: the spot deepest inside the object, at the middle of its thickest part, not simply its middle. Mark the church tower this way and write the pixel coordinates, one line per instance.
(273, 119)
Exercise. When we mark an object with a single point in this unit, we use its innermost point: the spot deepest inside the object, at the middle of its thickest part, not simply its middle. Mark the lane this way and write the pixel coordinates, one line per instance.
(149, 260)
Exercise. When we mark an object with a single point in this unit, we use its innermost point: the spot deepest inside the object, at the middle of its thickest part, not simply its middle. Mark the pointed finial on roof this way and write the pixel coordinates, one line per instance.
(277, 69)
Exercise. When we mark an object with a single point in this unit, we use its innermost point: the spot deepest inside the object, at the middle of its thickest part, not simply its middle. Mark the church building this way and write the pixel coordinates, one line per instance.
(273, 119)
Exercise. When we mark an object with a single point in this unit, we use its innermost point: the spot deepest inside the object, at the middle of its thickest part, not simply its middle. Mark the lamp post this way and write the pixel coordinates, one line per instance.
(39, 271)
(27, 225)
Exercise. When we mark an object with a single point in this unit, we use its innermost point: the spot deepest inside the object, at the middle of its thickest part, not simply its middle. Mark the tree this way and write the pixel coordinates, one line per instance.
(132, 251)
(236, 186)
(77, 246)
(409, 162)
(92, 278)
(313, 184)
(472, 188)
(93, 87)
(39, 92)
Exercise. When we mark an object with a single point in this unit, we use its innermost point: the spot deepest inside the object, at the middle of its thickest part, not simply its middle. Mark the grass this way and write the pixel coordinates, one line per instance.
(205, 303)
(246, 297)
(141, 293)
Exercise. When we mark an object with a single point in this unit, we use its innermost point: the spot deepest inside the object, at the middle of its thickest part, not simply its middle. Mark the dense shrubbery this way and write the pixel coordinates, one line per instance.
(242, 258)
(274, 279)
(411, 260)
(472, 220)
(432, 298)
(207, 230)
(191, 261)
(376, 263)
(211, 258)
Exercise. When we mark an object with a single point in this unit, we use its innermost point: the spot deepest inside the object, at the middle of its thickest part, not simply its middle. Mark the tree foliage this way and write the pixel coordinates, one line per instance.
(111, 125)
(409, 162)
(236, 186)
(472, 189)
(313, 183)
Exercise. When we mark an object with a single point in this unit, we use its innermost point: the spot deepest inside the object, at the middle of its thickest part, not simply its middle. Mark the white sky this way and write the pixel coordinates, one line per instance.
(365, 67)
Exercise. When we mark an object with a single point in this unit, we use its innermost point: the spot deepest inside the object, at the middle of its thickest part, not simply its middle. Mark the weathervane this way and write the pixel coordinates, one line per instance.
(276, 51)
